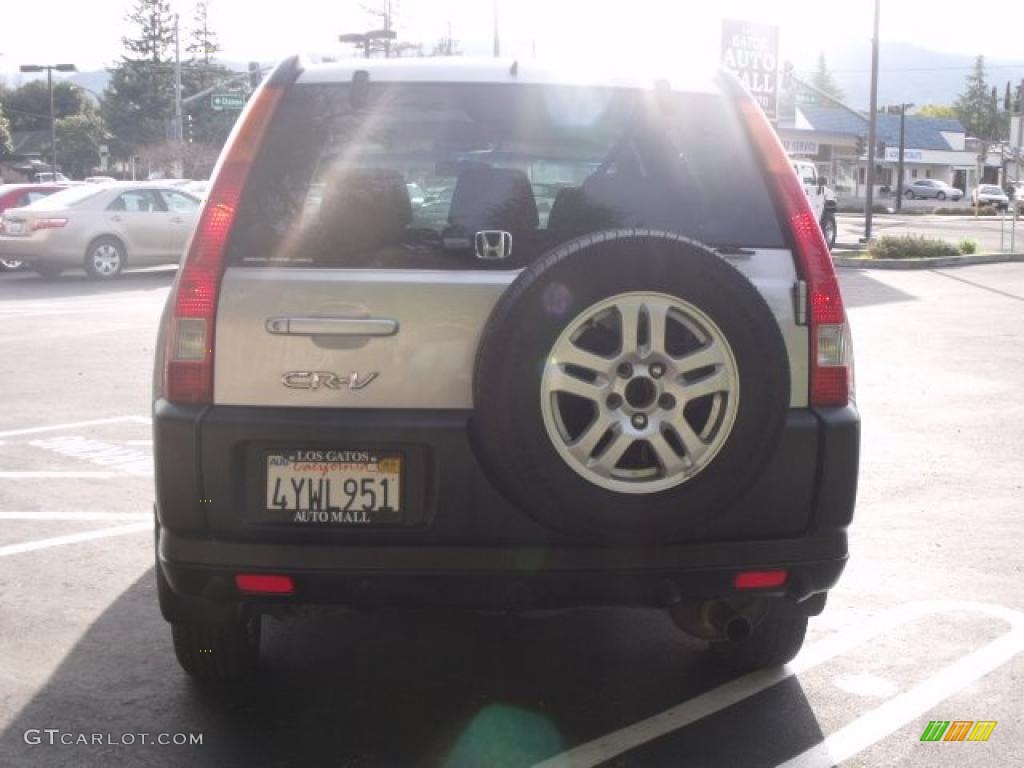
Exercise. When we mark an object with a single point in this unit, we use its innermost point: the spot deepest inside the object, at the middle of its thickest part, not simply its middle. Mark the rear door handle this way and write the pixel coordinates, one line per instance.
(177, 220)
(332, 326)
(116, 218)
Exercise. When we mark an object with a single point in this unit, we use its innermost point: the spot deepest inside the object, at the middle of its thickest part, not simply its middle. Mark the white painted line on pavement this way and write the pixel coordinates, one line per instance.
(605, 748)
(902, 709)
(74, 538)
(45, 516)
(58, 474)
(75, 425)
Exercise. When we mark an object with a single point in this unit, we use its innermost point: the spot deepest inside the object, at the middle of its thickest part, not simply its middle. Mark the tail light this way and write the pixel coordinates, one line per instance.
(831, 362)
(54, 223)
(188, 356)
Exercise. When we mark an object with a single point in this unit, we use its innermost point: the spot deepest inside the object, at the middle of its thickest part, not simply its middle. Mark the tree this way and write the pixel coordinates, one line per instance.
(977, 106)
(29, 105)
(937, 110)
(203, 125)
(823, 80)
(140, 96)
(202, 39)
(5, 135)
(78, 142)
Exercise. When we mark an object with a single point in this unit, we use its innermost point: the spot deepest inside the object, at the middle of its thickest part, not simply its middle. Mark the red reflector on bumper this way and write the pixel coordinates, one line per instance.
(264, 583)
(761, 579)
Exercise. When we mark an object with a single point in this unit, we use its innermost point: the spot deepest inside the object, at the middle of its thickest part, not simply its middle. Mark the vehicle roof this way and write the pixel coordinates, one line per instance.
(466, 69)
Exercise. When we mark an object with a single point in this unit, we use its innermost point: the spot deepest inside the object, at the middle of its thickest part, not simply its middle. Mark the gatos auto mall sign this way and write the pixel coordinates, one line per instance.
(752, 52)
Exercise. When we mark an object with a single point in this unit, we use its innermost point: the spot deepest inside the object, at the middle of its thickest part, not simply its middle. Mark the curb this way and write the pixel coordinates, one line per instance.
(863, 262)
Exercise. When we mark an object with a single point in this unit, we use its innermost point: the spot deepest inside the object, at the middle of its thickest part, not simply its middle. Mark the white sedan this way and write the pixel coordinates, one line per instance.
(101, 227)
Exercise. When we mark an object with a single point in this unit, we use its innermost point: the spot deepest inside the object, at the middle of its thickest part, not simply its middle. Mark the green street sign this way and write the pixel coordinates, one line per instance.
(220, 101)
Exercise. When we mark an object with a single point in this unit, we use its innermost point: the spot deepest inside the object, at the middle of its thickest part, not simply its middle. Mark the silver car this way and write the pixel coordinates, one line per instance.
(932, 189)
(990, 194)
(100, 227)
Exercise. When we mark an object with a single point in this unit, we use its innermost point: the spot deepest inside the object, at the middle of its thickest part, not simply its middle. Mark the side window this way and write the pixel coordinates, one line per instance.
(138, 201)
(179, 203)
(31, 197)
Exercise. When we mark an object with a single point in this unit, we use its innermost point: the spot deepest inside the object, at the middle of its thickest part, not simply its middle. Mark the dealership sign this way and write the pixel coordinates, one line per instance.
(751, 51)
(800, 146)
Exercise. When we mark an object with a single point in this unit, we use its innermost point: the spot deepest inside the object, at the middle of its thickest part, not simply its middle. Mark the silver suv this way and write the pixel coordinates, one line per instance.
(600, 357)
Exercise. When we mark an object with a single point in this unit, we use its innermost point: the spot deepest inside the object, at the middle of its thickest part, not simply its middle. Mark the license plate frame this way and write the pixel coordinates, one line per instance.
(321, 498)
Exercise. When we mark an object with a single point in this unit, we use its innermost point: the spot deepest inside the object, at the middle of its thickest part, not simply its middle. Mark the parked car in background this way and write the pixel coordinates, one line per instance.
(101, 228)
(932, 189)
(49, 177)
(990, 194)
(18, 196)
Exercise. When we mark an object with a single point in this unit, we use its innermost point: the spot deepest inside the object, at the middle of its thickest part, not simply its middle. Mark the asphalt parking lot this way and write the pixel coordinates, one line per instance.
(927, 623)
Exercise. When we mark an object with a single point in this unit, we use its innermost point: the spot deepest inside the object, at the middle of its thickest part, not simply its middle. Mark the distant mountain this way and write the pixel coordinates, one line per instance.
(907, 73)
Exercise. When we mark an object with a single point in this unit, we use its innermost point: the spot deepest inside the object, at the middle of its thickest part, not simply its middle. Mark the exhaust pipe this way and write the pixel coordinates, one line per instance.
(715, 619)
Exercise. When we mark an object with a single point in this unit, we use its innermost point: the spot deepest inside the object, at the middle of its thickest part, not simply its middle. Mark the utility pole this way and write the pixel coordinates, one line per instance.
(53, 118)
(497, 39)
(178, 133)
(869, 199)
(899, 179)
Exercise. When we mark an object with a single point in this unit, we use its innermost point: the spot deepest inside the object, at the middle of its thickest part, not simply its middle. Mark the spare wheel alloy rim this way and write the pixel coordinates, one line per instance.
(640, 392)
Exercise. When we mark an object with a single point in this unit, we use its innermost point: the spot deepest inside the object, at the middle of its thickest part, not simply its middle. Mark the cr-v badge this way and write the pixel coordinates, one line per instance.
(318, 379)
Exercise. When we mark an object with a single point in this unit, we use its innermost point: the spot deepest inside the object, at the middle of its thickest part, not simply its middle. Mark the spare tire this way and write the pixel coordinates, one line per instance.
(629, 384)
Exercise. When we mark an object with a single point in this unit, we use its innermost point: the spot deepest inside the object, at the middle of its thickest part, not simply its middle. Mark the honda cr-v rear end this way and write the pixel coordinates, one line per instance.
(479, 334)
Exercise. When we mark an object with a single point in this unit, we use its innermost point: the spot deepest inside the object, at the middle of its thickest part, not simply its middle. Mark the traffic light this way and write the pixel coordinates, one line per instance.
(880, 150)
(189, 129)
(254, 74)
(860, 146)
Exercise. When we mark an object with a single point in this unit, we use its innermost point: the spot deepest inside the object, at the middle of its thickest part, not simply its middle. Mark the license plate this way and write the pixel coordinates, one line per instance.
(14, 227)
(341, 487)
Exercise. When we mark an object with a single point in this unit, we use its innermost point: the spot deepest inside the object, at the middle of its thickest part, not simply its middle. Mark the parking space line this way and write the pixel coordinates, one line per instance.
(45, 516)
(902, 709)
(605, 748)
(74, 538)
(75, 425)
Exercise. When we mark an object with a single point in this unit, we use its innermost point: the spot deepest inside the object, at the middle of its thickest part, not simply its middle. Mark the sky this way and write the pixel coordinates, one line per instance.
(88, 34)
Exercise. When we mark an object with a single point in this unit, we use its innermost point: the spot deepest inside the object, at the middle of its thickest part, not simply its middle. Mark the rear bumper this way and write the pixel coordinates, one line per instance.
(472, 547)
(202, 573)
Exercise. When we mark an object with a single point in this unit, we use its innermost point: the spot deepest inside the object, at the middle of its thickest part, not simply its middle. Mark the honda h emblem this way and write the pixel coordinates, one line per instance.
(493, 245)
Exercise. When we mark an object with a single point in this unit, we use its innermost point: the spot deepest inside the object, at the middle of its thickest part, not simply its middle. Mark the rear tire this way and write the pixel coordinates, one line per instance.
(940, 196)
(218, 652)
(775, 639)
(104, 259)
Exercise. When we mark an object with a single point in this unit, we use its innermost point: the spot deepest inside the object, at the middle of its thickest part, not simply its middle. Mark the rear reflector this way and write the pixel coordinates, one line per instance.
(761, 579)
(188, 356)
(831, 354)
(264, 583)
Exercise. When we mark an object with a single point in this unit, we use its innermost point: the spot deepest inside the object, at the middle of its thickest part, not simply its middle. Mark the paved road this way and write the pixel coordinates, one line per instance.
(983, 230)
(927, 624)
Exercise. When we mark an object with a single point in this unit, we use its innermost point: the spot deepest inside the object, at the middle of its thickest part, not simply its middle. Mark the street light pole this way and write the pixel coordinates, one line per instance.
(53, 119)
(873, 119)
(899, 179)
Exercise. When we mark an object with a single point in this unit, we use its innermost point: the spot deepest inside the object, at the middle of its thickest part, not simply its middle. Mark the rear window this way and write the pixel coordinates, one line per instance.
(457, 176)
(66, 198)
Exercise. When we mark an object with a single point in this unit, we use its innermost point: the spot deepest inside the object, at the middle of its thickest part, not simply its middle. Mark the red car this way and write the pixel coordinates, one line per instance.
(18, 196)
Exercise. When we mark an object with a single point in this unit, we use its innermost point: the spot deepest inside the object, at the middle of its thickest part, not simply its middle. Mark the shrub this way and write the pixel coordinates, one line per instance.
(855, 208)
(911, 247)
(968, 246)
(985, 210)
